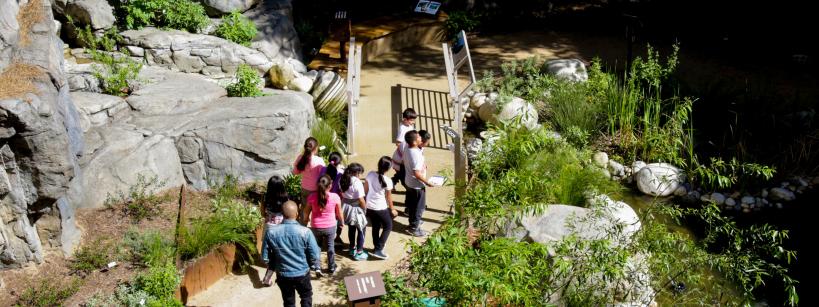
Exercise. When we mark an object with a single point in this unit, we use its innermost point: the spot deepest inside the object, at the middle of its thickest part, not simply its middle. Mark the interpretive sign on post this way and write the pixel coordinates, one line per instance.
(429, 7)
(455, 56)
(365, 289)
(353, 93)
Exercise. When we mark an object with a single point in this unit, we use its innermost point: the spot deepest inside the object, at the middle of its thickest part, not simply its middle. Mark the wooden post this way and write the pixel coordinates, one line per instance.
(180, 218)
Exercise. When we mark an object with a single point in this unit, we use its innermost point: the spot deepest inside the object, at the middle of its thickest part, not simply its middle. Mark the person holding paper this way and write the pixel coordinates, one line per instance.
(416, 180)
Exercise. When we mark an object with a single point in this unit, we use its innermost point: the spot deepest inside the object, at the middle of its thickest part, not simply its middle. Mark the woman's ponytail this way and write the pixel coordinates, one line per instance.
(310, 144)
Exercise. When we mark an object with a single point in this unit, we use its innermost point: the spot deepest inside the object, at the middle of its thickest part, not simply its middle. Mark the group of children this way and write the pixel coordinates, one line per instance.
(334, 196)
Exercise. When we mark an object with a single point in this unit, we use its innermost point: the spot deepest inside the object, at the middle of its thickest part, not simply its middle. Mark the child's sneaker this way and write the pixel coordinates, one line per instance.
(318, 272)
(352, 252)
(332, 271)
(380, 255)
(419, 233)
(361, 256)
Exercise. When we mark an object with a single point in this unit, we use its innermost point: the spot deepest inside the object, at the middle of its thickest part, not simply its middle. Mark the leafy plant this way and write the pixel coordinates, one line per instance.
(229, 188)
(247, 83)
(116, 71)
(140, 202)
(125, 295)
(237, 28)
(160, 282)
(48, 291)
(722, 175)
(461, 20)
(292, 183)
(93, 256)
(150, 248)
(182, 14)
(326, 131)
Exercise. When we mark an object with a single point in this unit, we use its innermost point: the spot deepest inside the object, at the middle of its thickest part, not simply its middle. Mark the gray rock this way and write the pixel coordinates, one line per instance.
(81, 78)
(616, 168)
(659, 179)
(680, 191)
(600, 159)
(96, 13)
(473, 148)
(172, 93)
(717, 198)
(802, 182)
(116, 160)
(764, 193)
(97, 109)
(301, 84)
(730, 202)
(692, 197)
(250, 138)
(637, 166)
(747, 200)
(780, 194)
(568, 69)
(221, 7)
(516, 109)
(276, 37)
(477, 101)
(194, 53)
(487, 111)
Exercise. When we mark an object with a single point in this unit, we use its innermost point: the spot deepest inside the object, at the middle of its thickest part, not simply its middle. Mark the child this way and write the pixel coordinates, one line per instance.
(354, 209)
(407, 123)
(324, 208)
(379, 206)
(309, 165)
(334, 169)
(274, 198)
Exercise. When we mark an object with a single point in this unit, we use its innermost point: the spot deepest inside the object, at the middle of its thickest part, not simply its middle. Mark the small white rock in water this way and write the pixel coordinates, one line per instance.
(747, 200)
(730, 202)
(782, 194)
(779, 205)
(601, 159)
(718, 198)
(680, 191)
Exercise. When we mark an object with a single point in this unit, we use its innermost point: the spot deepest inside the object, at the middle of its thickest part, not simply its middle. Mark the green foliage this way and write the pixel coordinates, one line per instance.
(521, 172)
(116, 71)
(236, 28)
(461, 20)
(399, 292)
(722, 175)
(292, 183)
(230, 222)
(160, 282)
(125, 295)
(181, 14)
(327, 130)
(247, 83)
(149, 248)
(93, 256)
(139, 202)
(47, 292)
(229, 188)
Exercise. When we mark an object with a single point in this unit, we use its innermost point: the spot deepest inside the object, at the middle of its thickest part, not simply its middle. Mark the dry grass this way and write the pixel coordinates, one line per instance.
(18, 79)
(29, 14)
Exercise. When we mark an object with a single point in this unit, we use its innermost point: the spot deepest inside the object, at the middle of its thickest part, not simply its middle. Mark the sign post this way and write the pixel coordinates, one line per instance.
(456, 56)
(353, 93)
(364, 289)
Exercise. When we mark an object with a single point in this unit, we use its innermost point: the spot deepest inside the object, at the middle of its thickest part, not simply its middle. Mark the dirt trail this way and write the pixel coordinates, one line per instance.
(422, 68)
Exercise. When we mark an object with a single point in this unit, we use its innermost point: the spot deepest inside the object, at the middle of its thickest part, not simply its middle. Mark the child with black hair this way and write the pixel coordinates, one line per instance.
(335, 169)
(355, 209)
(407, 124)
(274, 198)
(379, 206)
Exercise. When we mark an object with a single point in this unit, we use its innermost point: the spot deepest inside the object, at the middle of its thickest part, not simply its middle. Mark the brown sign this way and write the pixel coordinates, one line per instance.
(365, 285)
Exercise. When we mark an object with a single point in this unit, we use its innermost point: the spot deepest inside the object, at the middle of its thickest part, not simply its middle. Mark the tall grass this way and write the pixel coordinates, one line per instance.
(230, 222)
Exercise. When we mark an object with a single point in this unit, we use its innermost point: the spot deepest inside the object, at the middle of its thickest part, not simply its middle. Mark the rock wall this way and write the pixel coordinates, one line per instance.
(40, 136)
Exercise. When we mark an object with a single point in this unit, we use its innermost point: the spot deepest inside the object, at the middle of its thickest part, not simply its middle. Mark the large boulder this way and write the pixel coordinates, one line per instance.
(40, 136)
(511, 111)
(277, 37)
(81, 78)
(250, 138)
(221, 7)
(659, 179)
(568, 69)
(284, 71)
(171, 93)
(115, 158)
(177, 50)
(96, 13)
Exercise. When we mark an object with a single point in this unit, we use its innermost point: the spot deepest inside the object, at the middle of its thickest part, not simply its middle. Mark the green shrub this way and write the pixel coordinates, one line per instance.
(229, 188)
(160, 282)
(149, 248)
(116, 71)
(181, 14)
(461, 20)
(140, 202)
(326, 131)
(230, 222)
(237, 28)
(247, 83)
(48, 291)
(93, 256)
(722, 175)
(293, 185)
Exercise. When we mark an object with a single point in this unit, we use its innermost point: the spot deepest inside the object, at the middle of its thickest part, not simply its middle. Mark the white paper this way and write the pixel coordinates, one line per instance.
(437, 180)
